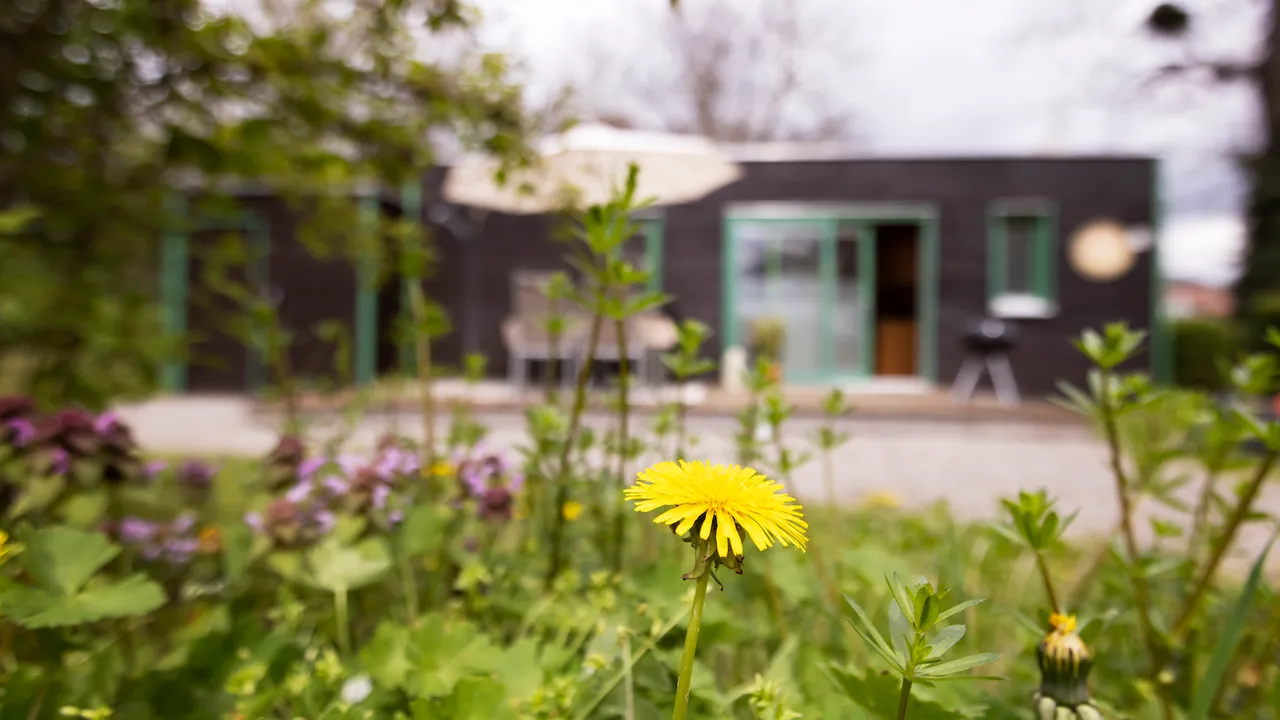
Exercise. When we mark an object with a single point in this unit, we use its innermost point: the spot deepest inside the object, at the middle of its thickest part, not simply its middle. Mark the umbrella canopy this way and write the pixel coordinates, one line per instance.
(585, 165)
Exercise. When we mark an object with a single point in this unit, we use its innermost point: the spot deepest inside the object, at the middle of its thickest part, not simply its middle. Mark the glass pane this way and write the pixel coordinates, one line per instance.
(847, 318)
(1020, 237)
(780, 288)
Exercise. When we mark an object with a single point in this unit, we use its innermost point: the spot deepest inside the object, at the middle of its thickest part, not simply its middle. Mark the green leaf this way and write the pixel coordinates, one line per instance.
(1225, 650)
(878, 695)
(941, 670)
(386, 657)
(422, 531)
(902, 596)
(62, 561)
(237, 550)
(901, 633)
(946, 639)
(867, 631)
(340, 569)
(959, 608)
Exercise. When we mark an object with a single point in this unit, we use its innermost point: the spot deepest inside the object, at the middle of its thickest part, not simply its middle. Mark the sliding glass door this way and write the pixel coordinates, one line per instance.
(806, 282)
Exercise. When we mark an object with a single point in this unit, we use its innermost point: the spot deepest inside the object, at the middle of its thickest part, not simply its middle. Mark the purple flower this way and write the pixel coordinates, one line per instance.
(300, 492)
(323, 521)
(394, 461)
(21, 431)
(476, 482)
(335, 486)
(154, 468)
(136, 530)
(196, 475)
(180, 550)
(184, 523)
(59, 462)
(380, 495)
(309, 467)
(395, 517)
(254, 521)
(106, 422)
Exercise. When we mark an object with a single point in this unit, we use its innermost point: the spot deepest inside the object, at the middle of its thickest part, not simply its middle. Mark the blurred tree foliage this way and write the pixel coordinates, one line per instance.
(1258, 288)
(109, 106)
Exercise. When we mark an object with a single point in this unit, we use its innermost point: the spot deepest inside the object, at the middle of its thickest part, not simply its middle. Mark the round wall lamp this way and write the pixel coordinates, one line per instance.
(1101, 251)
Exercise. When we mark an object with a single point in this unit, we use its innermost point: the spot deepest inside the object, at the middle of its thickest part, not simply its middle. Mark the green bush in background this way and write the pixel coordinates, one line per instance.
(1201, 345)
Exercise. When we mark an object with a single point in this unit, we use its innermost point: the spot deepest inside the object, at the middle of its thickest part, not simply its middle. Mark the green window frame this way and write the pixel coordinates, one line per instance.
(1039, 218)
(652, 225)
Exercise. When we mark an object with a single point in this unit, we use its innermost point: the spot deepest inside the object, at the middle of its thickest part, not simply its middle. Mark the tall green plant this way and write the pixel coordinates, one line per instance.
(604, 295)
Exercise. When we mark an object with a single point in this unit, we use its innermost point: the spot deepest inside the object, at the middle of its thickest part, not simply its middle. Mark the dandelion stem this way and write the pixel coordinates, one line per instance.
(624, 439)
(691, 644)
(903, 698)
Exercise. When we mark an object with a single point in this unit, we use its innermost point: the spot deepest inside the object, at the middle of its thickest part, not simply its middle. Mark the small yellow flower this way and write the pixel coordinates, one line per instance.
(210, 540)
(727, 497)
(440, 469)
(7, 548)
(572, 510)
(881, 500)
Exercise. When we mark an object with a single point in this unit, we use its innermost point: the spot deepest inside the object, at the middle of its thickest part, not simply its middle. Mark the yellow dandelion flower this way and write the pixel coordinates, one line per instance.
(572, 510)
(728, 497)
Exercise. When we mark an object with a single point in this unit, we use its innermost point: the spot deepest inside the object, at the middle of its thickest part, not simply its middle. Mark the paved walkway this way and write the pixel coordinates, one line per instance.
(967, 465)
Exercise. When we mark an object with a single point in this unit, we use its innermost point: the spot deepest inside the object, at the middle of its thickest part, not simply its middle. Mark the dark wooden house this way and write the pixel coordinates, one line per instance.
(875, 267)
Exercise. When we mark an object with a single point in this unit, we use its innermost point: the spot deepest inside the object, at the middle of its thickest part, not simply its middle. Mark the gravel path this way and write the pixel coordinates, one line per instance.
(969, 466)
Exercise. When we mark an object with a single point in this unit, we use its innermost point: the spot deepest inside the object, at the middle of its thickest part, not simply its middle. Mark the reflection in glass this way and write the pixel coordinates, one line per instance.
(847, 318)
(779, 280)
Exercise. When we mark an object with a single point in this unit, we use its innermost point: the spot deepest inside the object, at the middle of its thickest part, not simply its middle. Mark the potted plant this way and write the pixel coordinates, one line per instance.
(766, 338)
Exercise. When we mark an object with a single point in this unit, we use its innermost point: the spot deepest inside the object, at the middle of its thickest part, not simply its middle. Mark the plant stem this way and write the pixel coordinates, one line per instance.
(1048, 582)
(1214, 466)
(575, 421)
(903, 698)
(553, 346)
(1223, 542)
(683, 685)
(340, 618)
(624, 413)
(1141, 592)
(422, 355)
(409, 577)
(629, 688)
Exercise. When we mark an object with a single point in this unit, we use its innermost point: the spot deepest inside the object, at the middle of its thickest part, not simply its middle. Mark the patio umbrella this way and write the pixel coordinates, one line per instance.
(584, 165)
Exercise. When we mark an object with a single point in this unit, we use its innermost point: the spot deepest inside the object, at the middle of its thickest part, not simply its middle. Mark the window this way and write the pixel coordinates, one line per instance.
(644, 249)
(1021, 258)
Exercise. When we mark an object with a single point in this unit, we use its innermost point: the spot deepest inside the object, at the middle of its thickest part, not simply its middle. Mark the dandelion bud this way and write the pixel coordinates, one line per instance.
(1065, 662)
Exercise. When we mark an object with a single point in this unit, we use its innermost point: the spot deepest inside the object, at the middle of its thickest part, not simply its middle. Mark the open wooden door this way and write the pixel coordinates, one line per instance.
(897, 248)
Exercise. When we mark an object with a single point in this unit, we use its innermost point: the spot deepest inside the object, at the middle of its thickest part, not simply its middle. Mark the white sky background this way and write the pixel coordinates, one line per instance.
(922, 77)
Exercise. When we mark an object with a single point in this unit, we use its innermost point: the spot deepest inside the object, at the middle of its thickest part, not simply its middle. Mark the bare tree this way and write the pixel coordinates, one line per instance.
(731, 70)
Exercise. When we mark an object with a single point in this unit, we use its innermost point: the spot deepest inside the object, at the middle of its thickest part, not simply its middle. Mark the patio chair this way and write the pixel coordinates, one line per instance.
(525, 334)
(607, 349)
(658, 334)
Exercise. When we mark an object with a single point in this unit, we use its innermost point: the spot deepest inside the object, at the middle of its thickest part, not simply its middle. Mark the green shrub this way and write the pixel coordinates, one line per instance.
(1201, 347)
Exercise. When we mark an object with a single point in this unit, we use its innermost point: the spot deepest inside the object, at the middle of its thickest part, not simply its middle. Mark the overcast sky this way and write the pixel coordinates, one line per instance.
(922, 77)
